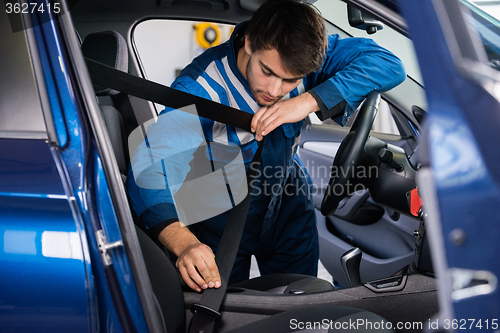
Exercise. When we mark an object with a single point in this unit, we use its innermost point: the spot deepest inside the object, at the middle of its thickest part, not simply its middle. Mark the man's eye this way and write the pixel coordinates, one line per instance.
(266, 73)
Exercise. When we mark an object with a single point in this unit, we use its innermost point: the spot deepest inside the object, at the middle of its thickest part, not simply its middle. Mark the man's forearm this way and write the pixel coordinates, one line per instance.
(176, 237)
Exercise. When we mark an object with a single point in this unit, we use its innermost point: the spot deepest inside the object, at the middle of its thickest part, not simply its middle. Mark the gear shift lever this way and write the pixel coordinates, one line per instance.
(350, 263)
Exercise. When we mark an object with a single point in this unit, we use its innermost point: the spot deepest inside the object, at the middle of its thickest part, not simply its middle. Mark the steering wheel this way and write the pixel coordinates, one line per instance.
(349, 155)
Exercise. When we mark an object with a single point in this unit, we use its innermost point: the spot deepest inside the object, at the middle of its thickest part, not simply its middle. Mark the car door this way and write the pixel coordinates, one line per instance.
(457, 51)
(45, 275)
(116, 288)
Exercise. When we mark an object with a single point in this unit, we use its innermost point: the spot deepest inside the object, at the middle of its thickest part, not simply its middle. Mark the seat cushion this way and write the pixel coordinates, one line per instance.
(320, 320)
(286, 284)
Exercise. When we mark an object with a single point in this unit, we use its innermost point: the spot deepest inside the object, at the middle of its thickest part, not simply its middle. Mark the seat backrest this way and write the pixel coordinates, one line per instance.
(116, 132)
(110, 48)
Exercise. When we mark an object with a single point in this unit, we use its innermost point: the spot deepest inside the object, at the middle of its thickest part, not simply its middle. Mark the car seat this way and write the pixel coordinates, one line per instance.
(166, 287)
(110, 48)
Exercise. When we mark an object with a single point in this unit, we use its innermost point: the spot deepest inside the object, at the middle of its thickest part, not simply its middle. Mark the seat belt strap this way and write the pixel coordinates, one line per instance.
(206, 313)
(151, 91)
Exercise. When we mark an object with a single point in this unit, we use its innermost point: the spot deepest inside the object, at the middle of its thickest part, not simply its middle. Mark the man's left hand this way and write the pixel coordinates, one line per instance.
(292, 110)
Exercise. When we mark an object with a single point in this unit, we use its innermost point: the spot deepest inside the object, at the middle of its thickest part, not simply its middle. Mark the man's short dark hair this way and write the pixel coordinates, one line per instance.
(295, 29)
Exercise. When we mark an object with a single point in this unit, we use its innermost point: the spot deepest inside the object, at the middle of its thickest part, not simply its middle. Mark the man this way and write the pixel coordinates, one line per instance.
(281, 66)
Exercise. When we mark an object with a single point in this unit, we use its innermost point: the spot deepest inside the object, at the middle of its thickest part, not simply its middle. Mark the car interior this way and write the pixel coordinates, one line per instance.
(382, 268)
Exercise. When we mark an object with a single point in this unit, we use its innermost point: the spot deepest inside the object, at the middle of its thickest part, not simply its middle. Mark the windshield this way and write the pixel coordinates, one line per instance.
(411, 91)
(488, 28)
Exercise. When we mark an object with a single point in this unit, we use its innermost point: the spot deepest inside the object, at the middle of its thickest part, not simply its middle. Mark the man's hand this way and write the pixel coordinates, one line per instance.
(292, 110)
(196, 261)
(197, 266)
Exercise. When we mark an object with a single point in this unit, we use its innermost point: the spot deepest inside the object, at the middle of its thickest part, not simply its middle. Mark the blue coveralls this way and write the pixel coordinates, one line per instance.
(281, 226)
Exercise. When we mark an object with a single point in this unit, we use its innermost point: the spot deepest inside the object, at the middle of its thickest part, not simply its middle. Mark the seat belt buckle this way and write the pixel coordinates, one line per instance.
(206, 310)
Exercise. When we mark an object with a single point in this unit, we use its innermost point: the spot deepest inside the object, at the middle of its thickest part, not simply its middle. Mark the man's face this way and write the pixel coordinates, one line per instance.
(267, 79)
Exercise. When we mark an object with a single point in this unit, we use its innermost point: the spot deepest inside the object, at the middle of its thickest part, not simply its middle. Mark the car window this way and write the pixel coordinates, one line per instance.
(477, 48)
(165, 47)
(488, 28)
(491, 7)
(384, 122)
(410, 92)
(20, 109)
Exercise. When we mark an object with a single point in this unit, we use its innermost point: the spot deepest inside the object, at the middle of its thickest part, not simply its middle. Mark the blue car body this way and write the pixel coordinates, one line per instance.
(58, 214)
(54, 197)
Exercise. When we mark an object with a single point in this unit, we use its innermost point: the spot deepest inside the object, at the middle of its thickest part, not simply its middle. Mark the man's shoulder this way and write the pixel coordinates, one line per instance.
(189, 84)
(201, 63)
(206, 76)
(336, 43)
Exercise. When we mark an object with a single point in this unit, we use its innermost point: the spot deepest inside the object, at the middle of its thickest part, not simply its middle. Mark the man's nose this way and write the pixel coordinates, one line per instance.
(274, 87)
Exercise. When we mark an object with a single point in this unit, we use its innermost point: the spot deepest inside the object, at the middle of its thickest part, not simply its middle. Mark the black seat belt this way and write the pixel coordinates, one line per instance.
(151, 91)
(206, 313)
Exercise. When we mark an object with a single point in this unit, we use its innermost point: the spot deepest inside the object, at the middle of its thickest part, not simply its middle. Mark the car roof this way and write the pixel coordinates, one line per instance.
(230, 11)
(223, 11)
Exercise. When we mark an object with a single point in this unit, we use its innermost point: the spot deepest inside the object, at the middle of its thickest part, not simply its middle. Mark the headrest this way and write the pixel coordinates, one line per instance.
(109, 48)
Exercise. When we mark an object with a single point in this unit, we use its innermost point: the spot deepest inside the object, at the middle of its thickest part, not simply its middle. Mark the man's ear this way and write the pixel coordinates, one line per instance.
(248, 49)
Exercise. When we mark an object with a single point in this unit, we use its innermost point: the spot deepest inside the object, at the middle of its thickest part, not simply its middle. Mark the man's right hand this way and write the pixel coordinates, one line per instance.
(197, 266)
(196, 261)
